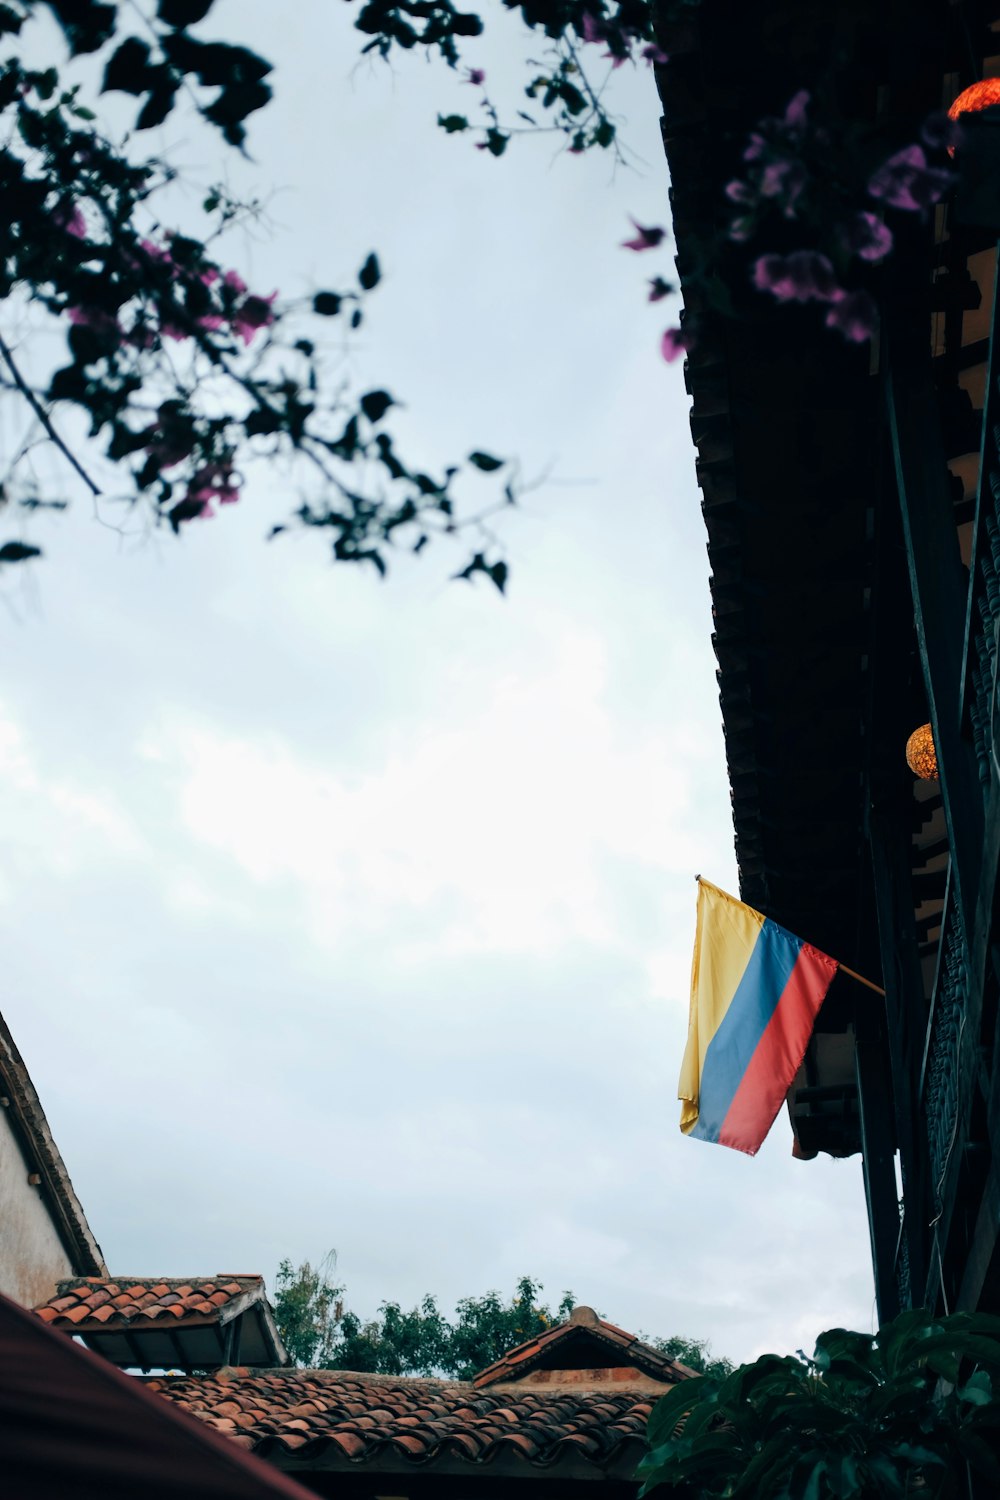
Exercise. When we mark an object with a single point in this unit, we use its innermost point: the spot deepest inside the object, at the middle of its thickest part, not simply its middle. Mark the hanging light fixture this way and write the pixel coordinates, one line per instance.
(921, 757)
(981, 95)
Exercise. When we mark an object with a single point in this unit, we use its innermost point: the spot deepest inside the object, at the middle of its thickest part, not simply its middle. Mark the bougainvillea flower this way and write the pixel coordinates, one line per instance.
(658, 289)
(68, 218)
(97, 318)
(654, 54)
(755, 147)
(795, 113)
(739, 191)
(476, 76)
(803, 276)
(234, 282)
(675, 342)
(647, 238)
(854, 314)
(592, 29)
(867, 237)
(253, 315)
(906, 181)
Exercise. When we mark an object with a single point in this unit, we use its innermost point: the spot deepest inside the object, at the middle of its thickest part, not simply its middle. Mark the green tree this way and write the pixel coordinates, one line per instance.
(695, 1353)
(321, 1333)
(308, 1310)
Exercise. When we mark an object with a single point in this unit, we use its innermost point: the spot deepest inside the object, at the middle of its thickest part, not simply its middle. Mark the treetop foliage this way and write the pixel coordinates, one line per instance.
(321, 1333)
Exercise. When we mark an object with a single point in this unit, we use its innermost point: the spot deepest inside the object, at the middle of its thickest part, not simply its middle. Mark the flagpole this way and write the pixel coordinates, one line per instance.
(851, 973)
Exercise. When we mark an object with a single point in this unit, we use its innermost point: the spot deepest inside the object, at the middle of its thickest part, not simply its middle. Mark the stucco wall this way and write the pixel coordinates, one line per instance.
(32, 1256)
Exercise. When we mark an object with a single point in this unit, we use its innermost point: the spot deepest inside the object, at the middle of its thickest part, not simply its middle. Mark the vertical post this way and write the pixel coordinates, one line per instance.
(939, 588)
(877, 1162)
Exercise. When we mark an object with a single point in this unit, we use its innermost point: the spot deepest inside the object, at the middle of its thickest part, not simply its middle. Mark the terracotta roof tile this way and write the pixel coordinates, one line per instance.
(109, 1304)
(351, 1419)
(608, 1346)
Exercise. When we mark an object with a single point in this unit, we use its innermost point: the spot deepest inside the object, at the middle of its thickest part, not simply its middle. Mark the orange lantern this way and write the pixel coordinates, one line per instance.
(981, 95)
(921, 756)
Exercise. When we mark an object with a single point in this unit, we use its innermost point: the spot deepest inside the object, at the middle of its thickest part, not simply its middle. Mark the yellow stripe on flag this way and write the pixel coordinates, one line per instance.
(725, 934)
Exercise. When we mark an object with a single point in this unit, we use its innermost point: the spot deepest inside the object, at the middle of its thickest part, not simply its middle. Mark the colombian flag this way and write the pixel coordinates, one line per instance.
(755, 993)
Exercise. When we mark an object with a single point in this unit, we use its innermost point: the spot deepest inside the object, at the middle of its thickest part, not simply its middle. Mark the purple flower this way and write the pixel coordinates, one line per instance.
(97, 318)
(755, 147)
(906, 181)
(655, 55)
(645, 239)
(592, 29)
(477, 76)
(675, 342)
(803, 276)
(235, 283)
(739, 191)
(254, 314)
(853, 314)
(658, 289)
(69, 219)
(867, 237)
(740, 230)
(795, 113)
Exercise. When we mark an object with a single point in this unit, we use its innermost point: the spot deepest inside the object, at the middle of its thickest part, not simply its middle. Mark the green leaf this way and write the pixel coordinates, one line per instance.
(496, 142)
(13, 552)
(327, 304)
(183, 12)
(453, 123)
(486, 462)
(127, 70)
(375, 405)
(370, 274)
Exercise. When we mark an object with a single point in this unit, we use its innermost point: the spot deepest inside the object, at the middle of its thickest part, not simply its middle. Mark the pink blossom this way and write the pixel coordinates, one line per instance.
(853, 314)
(906, 181)
(755, 147)
(658, 289)
(739, 191)
(803, 276)
(254, 314)
(159, 254)
(795, 113)
(867, 237)
(476, 76)
(655, 55)
(741, 229)
(645, 239)
(234, 282)
(592, 30)
(213, 482)
(675, 341)
(97, 318)
(209, 275)
(69, 218)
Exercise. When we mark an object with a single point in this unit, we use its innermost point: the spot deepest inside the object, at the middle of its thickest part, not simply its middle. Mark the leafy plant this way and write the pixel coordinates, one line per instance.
(911, 1411)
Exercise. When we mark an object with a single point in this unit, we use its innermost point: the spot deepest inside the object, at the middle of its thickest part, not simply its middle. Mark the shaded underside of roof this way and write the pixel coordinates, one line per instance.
(338, 1420)
(791, 448)
(25, 1112)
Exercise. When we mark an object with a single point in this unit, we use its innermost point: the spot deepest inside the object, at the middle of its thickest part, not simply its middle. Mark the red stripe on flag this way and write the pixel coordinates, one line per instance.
(778, 1054)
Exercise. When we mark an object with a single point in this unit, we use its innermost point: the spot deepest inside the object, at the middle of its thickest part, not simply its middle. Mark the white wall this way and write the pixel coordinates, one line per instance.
(32, 1256)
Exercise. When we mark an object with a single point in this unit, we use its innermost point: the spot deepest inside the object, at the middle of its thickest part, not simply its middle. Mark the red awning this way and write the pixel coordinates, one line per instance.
(73, 1426)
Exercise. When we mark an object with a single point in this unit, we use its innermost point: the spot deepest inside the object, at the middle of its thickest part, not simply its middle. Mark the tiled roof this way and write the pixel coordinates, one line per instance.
(98, 1302)
(334, 1419)
(169, 1323)
(585, 1340)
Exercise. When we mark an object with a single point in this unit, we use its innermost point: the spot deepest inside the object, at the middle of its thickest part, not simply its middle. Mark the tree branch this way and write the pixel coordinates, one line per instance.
(44, 417)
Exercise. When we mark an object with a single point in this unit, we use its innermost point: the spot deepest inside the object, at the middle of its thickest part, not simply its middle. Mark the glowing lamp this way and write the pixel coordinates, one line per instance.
(921, 757)
(981, 95)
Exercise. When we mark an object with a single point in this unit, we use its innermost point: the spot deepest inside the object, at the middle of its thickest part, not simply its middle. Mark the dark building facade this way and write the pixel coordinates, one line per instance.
(850, 494)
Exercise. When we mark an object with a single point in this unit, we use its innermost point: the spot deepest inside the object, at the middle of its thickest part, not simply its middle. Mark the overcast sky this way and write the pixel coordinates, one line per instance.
(339, 914)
